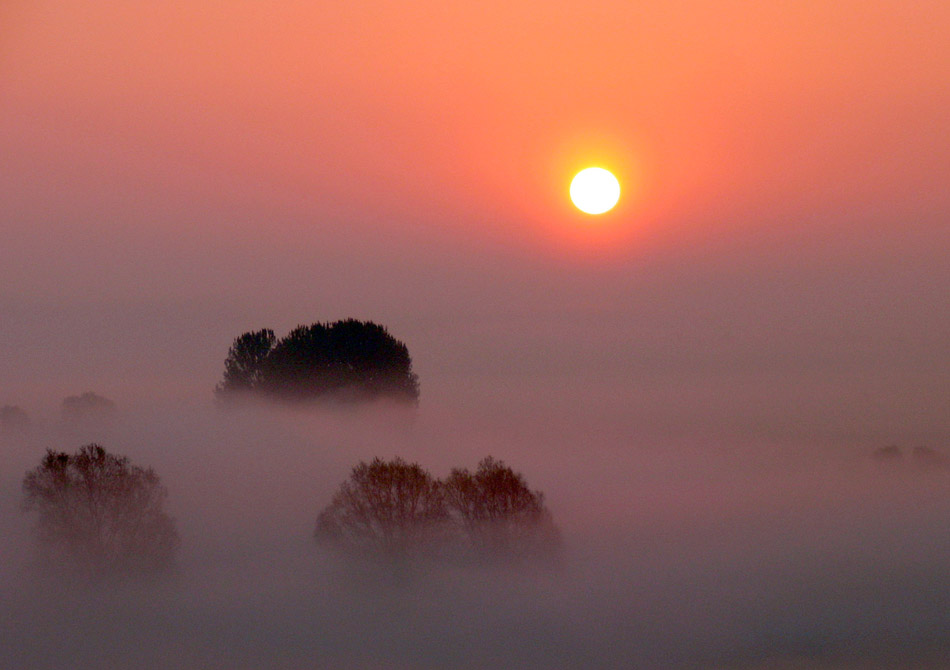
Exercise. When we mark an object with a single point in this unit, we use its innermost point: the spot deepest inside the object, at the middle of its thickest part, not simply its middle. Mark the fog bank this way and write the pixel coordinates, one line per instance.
(679, 552)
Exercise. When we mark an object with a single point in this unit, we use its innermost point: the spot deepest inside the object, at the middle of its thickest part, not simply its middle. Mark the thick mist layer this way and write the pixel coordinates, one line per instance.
(679, 551)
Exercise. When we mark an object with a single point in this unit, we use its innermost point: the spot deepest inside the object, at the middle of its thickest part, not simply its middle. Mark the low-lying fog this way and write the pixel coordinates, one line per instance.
(680, 550)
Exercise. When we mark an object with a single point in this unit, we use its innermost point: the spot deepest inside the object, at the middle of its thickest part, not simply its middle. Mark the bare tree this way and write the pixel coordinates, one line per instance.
(98, 513)
(389, 508)
(498, 513)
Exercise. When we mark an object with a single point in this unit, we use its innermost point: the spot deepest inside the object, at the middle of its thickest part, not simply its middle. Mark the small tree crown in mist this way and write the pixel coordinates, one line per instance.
(497, 512)
(99, 514)
(346, 360)
(87, 406)
(387, 507)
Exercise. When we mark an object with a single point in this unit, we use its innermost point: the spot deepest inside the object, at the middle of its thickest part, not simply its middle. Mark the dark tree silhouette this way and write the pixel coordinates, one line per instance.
(346, 360)
(13, 418)
(242, 367)
(99, 514)
(89, 405)
(498, 513)
(386, 508)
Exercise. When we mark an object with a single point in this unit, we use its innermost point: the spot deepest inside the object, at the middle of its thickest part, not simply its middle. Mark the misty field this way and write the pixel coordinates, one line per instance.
(678, 552)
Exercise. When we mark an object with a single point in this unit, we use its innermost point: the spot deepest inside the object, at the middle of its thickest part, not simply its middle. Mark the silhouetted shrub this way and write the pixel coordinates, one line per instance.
(12, 418)
(98, 514)
(387, 508)
(346, 360)
(87, 406)
(497, 512)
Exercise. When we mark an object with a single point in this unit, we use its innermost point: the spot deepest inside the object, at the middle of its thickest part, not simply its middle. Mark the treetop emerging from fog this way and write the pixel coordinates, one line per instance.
(395, 509)
(346, 360)
(99, 513)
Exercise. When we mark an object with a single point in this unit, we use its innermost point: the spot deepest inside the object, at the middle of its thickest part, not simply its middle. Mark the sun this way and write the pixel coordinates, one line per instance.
(595, 190)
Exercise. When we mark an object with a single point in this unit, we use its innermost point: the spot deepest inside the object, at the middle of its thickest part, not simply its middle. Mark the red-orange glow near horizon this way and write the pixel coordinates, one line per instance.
(711, 116)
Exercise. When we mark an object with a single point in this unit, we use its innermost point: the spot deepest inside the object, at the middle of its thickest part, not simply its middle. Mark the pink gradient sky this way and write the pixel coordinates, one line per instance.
(174, 173)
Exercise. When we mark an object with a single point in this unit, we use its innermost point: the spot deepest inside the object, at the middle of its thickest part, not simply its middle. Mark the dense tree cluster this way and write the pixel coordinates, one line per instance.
(99, 514)
(397, 509)
(346, 360)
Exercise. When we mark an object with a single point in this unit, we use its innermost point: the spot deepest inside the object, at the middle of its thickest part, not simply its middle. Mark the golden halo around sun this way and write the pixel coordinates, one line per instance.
(595, 190)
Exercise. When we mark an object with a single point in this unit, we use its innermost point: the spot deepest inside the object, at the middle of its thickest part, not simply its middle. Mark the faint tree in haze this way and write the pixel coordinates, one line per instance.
(922, 457)
(498, 513)
(99, 514)
(346, 360)
(929, 458)
(889, 454)
(242, 367)
(387, 508)
(87, 406)
(13, 418)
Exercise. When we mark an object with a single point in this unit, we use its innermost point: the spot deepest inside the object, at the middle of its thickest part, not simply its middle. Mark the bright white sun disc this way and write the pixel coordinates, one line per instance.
(595, 190)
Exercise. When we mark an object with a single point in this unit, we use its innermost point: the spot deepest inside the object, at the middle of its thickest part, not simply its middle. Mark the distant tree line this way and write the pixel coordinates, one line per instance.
(345, 360)
(97, 514)
(75, 409)
(394, 509)
(924, 457)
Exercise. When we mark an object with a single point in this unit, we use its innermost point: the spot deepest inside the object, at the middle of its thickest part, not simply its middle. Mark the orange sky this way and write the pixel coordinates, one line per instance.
(399, 159)
(487, 108)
